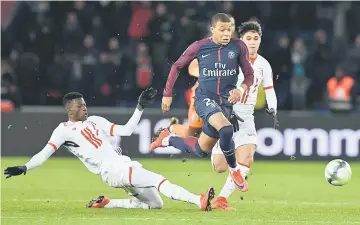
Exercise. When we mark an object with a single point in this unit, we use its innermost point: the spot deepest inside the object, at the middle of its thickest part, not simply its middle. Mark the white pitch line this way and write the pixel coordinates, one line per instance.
(212, 219)
(269, 202)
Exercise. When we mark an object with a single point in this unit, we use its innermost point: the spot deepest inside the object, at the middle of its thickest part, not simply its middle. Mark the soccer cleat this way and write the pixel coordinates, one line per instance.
(221, 203)
(240, 182)
(100, 202)
(173, 120)
(205, 200)
(158, 137)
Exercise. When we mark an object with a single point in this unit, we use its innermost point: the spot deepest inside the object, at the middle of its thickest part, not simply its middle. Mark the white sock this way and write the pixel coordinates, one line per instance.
(228, 188)
(165, 141)
(236, 168)
(244, 170)
(132, 203)
(176, 192)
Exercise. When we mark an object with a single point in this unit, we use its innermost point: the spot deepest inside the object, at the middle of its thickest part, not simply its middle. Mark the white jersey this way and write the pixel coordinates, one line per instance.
(262, 74)
(89, 141)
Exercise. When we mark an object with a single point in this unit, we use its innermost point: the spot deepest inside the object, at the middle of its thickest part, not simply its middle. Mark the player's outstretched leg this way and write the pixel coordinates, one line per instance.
(105, 202)
(162, 138)
(142, 178)
(176, 192)
(180, 130)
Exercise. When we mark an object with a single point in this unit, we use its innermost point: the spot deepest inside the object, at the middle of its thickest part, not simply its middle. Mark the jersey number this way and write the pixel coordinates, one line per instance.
(245, 96)
(210, 103)
(90, 136)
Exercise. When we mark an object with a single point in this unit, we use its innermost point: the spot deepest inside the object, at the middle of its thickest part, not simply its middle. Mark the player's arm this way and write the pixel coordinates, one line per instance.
(54, 143)
(112, 129)
(245, 65)
(268, 84)
(270, 94)
(189, 54)
(146, 99)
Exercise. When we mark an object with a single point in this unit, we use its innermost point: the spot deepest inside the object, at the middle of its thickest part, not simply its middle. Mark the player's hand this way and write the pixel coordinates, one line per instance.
(234, 118)
(147, 97)
(235, 95)
(272, 112)
(166, 103)
(15, 171)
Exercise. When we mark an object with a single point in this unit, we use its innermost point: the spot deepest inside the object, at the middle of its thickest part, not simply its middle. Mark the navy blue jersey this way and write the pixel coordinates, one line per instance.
(218, 68)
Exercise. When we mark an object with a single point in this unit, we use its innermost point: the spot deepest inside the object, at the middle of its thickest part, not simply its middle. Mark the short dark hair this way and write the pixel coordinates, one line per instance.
(250, 26)
(230, 16)
(220, 17)
(71, 96)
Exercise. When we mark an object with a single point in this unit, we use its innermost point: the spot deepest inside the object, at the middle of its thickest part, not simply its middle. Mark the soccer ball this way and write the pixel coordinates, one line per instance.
(338, 172)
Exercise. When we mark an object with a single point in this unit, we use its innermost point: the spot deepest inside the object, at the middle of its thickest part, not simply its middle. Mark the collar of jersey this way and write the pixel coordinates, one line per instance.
(252, 59)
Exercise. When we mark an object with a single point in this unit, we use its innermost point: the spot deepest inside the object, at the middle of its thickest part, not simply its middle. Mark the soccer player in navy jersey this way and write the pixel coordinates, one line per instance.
(219, 59)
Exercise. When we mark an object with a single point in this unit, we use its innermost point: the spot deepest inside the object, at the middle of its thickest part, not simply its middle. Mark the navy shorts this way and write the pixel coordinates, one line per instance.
(206, 107)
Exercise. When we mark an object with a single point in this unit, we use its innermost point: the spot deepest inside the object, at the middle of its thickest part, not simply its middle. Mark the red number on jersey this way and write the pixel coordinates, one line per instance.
(90, 136)
(256, 85)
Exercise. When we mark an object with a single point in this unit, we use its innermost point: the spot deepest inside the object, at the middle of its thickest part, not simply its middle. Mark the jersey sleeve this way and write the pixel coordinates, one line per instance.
(112, 129)
(268, 77)
(189, 54)
(244, 63)
(57, 138)
(268, 84)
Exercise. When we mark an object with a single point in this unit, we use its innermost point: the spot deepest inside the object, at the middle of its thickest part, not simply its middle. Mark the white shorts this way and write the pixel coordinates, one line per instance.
(245, 135)
(130, 175)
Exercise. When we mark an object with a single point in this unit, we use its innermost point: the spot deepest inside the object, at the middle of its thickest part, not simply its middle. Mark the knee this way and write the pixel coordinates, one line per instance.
(157, 204)
(219, 167)
(226, 132)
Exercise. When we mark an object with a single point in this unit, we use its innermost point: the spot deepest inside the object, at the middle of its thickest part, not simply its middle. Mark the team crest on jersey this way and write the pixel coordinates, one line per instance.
(231, 55)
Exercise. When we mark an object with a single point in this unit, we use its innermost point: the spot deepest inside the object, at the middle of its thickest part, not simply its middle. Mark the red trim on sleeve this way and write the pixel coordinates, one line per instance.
(112, 129)
(268, 87)
(52, 145)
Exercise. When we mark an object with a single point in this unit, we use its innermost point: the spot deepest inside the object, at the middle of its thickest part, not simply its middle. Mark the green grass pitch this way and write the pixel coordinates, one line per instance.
(287, 192)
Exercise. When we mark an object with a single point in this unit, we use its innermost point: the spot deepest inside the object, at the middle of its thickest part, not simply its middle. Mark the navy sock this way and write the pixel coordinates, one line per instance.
(227, 145)
(187, 144)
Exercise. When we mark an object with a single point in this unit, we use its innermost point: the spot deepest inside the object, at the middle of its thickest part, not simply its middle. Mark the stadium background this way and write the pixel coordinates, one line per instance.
(111, 51)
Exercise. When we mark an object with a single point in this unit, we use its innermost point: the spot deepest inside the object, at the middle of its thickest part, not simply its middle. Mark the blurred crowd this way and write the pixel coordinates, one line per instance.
(110, 51)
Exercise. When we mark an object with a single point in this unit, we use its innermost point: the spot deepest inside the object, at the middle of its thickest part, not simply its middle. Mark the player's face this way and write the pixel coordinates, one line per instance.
(77, 110)
(252, 40)
(221, 33)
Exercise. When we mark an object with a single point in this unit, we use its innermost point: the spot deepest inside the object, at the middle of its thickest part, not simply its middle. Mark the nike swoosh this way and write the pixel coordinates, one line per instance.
(205, 55)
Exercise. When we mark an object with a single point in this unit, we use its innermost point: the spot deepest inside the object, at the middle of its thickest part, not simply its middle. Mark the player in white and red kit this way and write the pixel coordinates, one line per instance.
(88, 138)
(245, 137)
